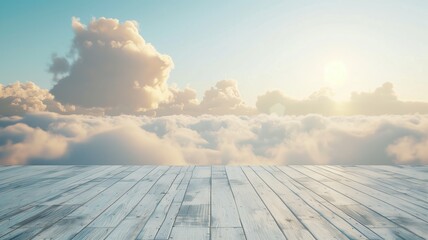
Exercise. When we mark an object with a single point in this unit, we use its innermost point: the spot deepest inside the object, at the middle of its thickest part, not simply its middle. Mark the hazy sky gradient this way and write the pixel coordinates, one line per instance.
(264, 45)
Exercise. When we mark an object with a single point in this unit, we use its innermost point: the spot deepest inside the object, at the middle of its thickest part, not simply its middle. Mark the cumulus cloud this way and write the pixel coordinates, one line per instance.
(319, 102)
(225, 98)
(20, 98)
(115, 71)
(222, 99)
(382, 100)
(49, 138)
(115, 68)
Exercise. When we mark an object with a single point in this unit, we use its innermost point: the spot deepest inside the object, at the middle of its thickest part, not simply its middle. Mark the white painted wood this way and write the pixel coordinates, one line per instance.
(224, 213)
(167, 225)
(404, 171)
(115, 213)
(184, 233)
(131, 225)
(158, 217)
(91, 233)
(194, 213)
(86, 213)
(388, 211)
(405, 206)
(350, 227)
(310, 213)
(202, 172)
(227, 234)
(213, 202)
(256, 219)
(360, 175)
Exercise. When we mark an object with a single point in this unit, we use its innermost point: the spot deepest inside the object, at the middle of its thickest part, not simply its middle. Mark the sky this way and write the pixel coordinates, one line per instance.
(295, 46)
(214, 82)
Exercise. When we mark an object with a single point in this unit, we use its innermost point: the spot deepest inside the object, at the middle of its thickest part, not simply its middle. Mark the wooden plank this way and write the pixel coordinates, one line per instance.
(195, 208)
(421, 187)
(24, 196)
(185, 233)
(82, 193)
(15, 203)
(213, 202)
(155, 221)
(224, 213)
(321, 221)
(86, 213)
(8, 221)
(24, 172)
(138, 174)
(40, 177)
(385, 179)
(168, 223)
(34, 224)
(202, 172)
(405, 206)
(284, 217)
(256, 219)
(350, 227)
(393, 214)
(131, 225)
(91, 233)
(115, 213)
(357, 211)
(359, 175)
(227, 233)
(404, 171)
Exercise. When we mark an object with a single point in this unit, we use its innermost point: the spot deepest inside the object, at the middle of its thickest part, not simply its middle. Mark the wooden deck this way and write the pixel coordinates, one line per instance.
(204, 202)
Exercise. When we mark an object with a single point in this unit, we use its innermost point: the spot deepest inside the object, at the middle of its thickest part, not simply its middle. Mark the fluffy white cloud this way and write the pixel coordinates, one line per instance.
(115, 68)
(262, 139)
(19, 142)
(20, 98)
(222, 99)
(410, 149)
(225, 98)
(382, 100)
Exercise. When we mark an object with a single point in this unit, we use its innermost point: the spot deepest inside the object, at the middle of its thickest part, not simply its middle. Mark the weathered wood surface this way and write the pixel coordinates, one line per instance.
(213, 202)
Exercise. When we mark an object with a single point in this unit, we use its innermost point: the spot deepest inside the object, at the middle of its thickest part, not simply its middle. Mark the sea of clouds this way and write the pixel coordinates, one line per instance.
(50, 138)
(111, 104)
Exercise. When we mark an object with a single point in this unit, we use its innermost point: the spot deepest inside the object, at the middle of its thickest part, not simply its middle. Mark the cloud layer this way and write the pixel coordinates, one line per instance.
(49, 138)
(222, 99)
(382, 100)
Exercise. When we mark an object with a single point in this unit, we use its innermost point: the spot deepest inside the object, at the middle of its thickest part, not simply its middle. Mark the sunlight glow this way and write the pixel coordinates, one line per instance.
(335, 73)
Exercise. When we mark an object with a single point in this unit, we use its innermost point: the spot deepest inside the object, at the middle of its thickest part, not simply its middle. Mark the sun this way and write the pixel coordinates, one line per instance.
(335, 73)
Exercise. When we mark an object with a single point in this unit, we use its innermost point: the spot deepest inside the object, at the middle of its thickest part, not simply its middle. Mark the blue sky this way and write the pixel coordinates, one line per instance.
(264, 45)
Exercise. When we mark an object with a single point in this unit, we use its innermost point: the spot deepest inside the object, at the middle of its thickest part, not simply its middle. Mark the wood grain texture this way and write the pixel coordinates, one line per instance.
(213, 202)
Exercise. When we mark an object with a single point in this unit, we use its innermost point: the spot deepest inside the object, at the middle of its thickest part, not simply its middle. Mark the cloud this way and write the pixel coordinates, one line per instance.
(222, 99)
(276, 102)
(58, 66)
(49, 138)
(225, 98)
(115, 68)
(20, 98)
(382, 100)
(20, 142)
(410, 149)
